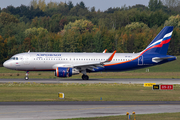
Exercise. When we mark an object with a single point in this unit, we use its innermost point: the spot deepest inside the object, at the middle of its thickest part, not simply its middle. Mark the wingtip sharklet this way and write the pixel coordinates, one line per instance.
(105, 51)
(111, 57)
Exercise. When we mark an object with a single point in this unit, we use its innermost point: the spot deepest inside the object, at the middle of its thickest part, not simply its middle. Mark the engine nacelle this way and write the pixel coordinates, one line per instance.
(65, 72)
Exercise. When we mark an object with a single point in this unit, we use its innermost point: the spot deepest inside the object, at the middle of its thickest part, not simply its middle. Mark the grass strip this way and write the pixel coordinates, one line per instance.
(159, 116)
(85, 92)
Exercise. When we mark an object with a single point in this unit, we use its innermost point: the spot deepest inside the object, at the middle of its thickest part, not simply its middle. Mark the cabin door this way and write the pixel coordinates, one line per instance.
(140, 60)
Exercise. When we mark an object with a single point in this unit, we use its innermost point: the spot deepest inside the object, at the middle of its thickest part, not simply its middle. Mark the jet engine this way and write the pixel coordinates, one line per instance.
(65, 72)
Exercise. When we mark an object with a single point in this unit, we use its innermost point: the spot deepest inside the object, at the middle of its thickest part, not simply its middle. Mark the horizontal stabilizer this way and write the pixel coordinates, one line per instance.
(159, 59)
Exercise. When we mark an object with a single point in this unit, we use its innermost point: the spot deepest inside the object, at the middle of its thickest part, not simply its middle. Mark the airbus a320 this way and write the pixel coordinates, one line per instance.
(68, 64)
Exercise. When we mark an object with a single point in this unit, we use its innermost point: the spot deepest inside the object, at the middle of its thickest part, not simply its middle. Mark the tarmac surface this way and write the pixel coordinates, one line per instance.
(63, 110)
(122, 80)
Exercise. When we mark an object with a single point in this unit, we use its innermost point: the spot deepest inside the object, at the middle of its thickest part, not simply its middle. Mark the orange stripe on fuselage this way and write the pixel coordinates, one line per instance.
(122, 62)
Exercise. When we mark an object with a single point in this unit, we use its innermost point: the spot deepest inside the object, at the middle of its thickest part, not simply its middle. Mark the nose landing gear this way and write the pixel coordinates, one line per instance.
(27, 73)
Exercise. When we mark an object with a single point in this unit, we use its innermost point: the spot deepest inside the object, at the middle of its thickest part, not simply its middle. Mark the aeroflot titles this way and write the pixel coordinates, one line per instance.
(48, 55)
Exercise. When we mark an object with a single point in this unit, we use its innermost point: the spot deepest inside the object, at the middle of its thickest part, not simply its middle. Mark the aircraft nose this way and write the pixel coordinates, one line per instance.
(5, 64)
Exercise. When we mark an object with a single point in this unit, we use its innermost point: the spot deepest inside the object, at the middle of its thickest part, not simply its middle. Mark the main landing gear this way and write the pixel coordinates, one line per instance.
(27, 73)
(85, 77)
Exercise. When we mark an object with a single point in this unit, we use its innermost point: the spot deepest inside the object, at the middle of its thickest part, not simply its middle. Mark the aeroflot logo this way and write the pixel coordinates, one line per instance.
(48, 55)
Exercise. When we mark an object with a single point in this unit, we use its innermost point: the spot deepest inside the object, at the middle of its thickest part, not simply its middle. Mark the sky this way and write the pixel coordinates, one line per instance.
(98, 4)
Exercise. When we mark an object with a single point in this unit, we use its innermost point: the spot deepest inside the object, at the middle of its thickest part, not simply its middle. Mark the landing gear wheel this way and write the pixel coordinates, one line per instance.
(27, 73)
(85, 77)
(26, 78)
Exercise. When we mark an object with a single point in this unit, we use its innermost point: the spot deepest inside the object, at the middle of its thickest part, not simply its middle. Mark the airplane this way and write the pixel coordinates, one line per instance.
(67, 64)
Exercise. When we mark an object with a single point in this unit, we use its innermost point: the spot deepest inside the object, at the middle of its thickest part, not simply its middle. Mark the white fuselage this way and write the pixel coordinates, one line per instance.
(51, 60)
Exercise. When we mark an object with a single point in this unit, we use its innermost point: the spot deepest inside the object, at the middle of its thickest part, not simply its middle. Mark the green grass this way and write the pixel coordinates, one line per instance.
(85, 92)
(159, 116)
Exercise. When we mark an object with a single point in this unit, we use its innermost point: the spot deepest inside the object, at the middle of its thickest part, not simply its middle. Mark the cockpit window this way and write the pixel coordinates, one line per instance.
(14, 58)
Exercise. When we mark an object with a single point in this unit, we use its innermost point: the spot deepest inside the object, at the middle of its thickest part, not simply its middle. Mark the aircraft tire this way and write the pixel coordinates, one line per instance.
(26, 78)
(85, 77)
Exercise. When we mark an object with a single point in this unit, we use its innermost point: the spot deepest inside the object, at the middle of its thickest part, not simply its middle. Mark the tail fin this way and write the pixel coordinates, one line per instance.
(160, 43)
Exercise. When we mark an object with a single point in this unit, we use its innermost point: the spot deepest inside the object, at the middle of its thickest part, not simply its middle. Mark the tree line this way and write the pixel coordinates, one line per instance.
(64, 27)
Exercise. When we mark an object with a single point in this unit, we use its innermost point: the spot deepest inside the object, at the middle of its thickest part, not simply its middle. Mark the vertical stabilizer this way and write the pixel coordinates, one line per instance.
(160, 43)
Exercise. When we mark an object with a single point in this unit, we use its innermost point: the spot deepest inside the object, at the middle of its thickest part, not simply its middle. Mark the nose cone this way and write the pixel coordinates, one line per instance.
(5, 64)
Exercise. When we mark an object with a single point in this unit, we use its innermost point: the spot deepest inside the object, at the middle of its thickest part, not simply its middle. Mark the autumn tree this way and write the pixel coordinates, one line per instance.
(35, 31)
(155, 5)
(136, 26)
(173, 21)
(6, 18)
(80, 25)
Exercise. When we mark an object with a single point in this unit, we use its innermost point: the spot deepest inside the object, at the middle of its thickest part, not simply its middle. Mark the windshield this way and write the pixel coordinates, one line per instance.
(14, 58)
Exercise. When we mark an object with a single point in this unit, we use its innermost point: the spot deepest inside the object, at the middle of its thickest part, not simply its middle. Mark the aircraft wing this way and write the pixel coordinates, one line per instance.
(91, 66)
